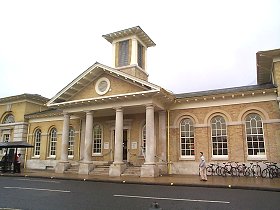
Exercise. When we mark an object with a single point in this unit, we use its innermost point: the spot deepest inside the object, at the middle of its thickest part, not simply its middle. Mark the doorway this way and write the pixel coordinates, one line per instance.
(125, 139)
(124, 145)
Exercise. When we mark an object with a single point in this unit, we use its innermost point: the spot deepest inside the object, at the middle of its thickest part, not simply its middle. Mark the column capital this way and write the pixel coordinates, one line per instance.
(150, 105)
(88, 111)
(66, 114)
(118, 109)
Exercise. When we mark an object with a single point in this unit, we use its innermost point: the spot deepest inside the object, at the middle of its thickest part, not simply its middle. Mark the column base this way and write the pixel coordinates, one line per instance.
(149, 171)
(116, 169)
(61, 167)
(85, 167)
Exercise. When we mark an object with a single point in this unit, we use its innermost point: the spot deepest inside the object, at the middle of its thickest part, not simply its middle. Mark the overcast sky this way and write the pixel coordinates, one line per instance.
(200, 45)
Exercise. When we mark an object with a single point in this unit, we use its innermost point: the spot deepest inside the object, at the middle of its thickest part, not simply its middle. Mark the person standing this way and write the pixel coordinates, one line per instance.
(202, 168)
(18, 161)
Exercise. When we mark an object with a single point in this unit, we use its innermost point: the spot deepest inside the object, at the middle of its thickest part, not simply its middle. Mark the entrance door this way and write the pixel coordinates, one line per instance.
(124, 145)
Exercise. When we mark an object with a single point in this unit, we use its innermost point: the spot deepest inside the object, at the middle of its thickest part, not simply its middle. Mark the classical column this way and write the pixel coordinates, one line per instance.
(87, 165)
(150, 134)
(65, 137)
(63, 164)
(134, 52)
(118, 155)
(88, 137)
(150, 169)
(118, 166)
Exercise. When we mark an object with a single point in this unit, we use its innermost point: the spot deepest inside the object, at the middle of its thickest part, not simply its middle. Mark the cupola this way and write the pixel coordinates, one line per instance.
(130, 51)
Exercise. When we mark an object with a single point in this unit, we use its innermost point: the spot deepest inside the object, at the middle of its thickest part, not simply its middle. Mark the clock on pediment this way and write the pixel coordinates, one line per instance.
(102, 86)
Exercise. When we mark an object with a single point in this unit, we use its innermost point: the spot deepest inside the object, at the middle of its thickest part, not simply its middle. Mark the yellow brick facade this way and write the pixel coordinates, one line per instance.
(130, 104)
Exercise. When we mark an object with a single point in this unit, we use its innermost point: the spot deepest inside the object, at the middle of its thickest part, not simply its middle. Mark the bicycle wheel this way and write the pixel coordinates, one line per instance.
(209, 171)
(233, 171)
(272, 173)
(247, 172)
(265, 173)
(224, 171)
(218, 171)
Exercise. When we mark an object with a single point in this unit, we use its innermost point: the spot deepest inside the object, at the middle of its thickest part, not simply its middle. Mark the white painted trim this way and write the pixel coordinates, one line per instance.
(13, 124)
(97, 85)
(223, 102)
(104, 97)
(234, 123)
(114, 54)
(106, 68)
(219, 157)
(134, 52)
(256, 157)
(46, 119)
(201, 125)
(187, 158)
(271, 121)
(276, 59)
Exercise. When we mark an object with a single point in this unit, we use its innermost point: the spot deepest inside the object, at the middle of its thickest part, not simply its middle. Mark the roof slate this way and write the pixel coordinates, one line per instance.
(25, 96)
(225, 91)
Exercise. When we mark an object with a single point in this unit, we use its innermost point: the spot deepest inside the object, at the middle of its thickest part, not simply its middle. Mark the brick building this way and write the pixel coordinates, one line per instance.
(112, 120)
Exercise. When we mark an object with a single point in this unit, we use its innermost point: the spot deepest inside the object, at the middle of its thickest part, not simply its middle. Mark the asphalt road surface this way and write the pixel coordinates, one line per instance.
(53, 194)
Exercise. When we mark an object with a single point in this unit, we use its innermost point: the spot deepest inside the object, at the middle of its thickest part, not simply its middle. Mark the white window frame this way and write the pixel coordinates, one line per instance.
(123, 57)
(188, 139)
(6, 137)
(52, 142)
(219, 133)
(37, 142)
(255, 135)
(97, 140)
(9, 118)
(71, 142)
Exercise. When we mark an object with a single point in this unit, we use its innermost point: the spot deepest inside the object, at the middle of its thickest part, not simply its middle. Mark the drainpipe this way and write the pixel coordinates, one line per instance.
(27, 139)
(168, 143)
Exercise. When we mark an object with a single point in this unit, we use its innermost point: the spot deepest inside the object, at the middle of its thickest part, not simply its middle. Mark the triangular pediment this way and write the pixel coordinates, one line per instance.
(100, 81)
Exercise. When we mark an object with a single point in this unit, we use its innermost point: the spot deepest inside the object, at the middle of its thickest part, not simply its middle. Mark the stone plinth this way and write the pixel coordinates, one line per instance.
(85, 167)
(61, 167)
(149, 171)
(116, 169)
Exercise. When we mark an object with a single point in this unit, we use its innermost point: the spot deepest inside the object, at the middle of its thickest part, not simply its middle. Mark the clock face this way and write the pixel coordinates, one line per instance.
(102, 86)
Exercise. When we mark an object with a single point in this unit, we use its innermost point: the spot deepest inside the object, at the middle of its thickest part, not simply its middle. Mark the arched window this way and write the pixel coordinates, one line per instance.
(71, 142)
(187, 138)
(52, 141)
(219, 136)
(143, 143)
(254, 134)
(97, 140)
(9, 118)
(37, 142)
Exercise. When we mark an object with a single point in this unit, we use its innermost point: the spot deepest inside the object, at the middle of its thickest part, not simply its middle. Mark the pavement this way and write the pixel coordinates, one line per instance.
(249, 183)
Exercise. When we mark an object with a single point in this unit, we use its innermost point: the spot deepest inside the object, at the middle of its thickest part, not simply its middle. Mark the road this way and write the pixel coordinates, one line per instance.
(49, 194)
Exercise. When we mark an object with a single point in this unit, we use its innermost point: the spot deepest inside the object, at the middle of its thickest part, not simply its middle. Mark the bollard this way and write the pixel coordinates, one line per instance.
(155, 206)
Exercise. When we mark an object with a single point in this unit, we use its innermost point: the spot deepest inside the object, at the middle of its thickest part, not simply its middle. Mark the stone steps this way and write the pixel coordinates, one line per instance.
(74, 169)
(132, 171)
(100, 170)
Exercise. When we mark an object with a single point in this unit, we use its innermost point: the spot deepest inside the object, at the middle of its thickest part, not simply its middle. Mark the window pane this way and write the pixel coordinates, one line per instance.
(123, 53)
(219, 136)
(97, 140)
(254, 132)
(187, 137)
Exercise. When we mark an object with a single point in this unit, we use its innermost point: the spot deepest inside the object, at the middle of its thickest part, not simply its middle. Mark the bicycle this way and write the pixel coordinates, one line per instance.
(228, 169)
(253, 170)
(271, 170)
(241, 168)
